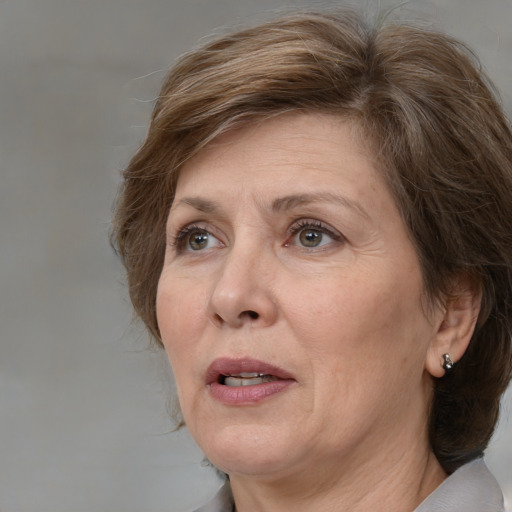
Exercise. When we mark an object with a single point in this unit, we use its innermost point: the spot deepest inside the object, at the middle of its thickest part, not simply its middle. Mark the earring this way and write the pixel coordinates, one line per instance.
(447, 363)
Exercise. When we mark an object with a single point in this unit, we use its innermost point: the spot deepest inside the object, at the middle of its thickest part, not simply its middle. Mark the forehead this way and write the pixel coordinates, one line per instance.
(292, 149)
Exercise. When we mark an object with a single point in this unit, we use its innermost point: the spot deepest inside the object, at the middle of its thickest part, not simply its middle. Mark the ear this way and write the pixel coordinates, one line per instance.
(456, 326)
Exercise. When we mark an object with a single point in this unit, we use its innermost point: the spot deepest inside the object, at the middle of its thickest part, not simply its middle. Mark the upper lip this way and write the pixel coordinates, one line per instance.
(226, 366)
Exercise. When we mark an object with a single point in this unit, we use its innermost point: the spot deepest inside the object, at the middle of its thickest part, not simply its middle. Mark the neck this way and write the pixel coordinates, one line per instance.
(398, 478)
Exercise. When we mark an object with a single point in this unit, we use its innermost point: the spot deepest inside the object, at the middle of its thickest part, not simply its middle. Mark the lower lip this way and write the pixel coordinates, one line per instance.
(246, 395)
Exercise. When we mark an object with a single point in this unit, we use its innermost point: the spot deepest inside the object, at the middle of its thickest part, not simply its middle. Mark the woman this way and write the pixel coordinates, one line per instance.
(318, 231)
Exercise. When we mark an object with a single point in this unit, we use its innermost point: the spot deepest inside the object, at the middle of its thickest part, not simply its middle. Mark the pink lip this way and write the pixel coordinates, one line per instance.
(245, 395)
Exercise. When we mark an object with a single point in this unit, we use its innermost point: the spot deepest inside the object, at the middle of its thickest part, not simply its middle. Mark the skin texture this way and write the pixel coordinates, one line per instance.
(345, 316)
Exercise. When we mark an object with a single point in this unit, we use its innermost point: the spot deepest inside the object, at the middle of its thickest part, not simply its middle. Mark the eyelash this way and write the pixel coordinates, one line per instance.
(317, 225)
(182, 235)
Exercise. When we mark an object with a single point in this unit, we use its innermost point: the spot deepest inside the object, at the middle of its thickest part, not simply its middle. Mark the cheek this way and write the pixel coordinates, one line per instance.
(178, 321)
(365, 320)
(180, 318)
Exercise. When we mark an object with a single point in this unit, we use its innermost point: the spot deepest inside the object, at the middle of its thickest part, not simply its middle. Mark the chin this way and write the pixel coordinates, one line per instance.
(250, 451)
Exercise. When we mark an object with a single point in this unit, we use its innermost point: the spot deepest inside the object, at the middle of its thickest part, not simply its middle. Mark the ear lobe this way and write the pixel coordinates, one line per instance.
(456, 327)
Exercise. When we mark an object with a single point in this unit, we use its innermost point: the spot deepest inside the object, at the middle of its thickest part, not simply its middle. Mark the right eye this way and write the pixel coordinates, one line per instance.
(195, 239)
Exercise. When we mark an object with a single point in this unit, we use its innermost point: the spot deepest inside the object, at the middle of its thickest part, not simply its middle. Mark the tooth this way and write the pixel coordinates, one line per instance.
(245, 381)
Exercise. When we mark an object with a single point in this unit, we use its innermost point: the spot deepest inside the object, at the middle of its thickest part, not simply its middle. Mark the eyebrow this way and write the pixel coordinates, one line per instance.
(292, 201)
(280, 204)
(200, 204)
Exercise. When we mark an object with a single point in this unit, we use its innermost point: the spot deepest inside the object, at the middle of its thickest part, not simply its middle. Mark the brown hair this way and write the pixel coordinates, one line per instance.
(436, 130)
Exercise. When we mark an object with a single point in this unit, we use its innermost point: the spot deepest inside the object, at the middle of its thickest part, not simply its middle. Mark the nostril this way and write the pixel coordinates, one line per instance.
(252, 314)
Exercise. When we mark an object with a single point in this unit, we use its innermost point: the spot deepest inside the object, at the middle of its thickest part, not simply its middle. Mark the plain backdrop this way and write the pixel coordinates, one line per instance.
(83, 403)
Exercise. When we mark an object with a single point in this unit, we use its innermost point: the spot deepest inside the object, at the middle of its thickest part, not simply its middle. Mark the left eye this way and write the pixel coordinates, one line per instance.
(196, 239)
(312, 237)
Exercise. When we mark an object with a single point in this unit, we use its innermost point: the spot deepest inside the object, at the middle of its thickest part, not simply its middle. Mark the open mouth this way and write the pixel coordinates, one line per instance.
(244, 372)
(246, 379)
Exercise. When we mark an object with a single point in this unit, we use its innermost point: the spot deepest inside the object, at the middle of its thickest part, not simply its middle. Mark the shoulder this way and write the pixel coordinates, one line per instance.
(472, 488)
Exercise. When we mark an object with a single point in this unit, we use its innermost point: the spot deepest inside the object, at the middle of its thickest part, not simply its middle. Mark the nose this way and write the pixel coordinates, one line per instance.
(243, 293)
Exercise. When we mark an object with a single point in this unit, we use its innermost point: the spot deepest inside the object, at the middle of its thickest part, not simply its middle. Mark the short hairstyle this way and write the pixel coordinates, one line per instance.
(436, 130)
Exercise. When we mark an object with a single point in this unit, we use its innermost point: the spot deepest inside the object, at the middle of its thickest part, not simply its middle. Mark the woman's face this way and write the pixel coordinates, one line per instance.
(291, 303)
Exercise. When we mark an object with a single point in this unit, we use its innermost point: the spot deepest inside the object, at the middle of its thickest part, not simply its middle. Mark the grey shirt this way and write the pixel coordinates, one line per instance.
(472, 488)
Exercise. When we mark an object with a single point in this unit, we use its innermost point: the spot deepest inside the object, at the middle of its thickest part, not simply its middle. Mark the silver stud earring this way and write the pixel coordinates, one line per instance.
(447, 363)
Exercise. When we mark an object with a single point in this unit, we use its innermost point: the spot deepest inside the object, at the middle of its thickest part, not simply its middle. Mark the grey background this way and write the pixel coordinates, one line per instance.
(83, 404)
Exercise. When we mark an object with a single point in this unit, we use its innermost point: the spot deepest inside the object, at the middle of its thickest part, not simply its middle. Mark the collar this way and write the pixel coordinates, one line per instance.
(472, 488)
(221, 502)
